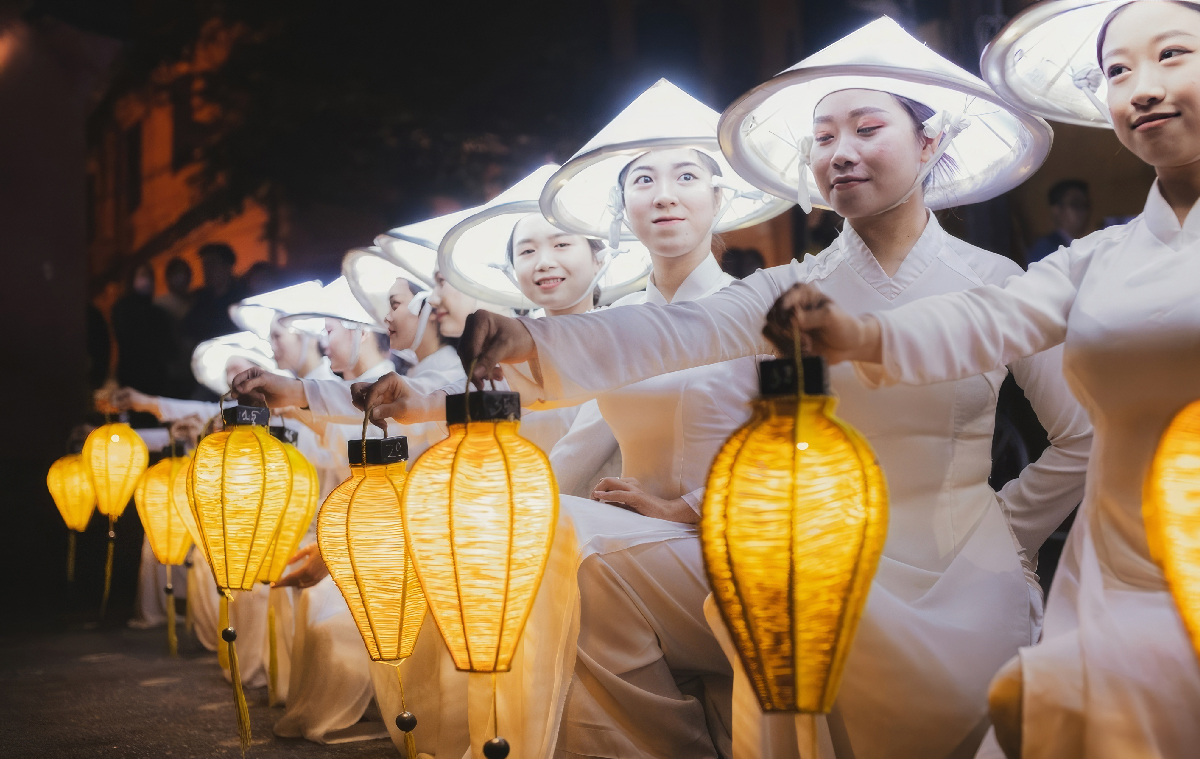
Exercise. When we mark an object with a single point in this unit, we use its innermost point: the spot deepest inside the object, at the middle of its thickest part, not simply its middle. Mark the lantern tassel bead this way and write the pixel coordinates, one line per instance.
(223, 624)
(189, 619)
(406, 721)
(172, 639)
(108, 567)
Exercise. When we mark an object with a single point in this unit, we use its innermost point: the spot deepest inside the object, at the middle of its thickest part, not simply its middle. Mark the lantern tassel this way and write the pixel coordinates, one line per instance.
(272, 658)
(239, 696)
(172, 639)
(70, 556)
(108, 566)
(410, 742)
(223, 624)
(189, 619)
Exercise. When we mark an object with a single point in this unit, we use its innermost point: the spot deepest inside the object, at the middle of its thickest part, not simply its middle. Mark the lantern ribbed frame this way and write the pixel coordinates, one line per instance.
(187, 511)
(480, 508)
(361, 534)
(792, 531)
(70, 485)
(160, 513)
(1171, 510)
(297, 517)
(115, 465)
(239, 483)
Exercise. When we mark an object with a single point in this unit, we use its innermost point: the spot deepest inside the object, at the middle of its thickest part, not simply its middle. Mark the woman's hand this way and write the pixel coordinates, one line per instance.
(308, 574)
(189, 429)
(391, 396)
(824, 328)
(270, 389)
(490, 339)
(627, 493)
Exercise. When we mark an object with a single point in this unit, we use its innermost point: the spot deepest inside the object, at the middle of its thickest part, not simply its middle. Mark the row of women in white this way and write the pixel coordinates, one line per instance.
(622, 656)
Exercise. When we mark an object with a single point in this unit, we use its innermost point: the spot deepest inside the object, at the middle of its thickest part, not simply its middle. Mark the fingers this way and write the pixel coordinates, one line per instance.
(247, 382)
(358, 395)
(304, 553)
(474, 337)
(616, 483)
(620, 498)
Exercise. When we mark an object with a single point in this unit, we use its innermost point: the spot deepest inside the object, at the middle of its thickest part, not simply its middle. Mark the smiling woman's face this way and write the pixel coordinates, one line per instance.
(1151, 59)
(866, 153)
(553, 267)
(670, 201)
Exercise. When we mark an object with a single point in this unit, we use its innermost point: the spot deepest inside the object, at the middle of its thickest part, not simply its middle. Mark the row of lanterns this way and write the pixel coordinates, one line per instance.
(794, 522)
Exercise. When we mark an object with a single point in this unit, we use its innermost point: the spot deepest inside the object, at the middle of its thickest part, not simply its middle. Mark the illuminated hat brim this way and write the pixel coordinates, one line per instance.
(336, 301)
(663, 117)
(371, 277)
(762, 131)
(1033, 61)
(473, 254)
(211, 356)
(257, 313)
(414, 246)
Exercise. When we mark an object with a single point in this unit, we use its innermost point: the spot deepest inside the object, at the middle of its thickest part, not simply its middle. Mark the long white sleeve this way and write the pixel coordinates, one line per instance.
(585, 355)
(172, 409)
(962, 334)
(1043, 495)
(583, 455)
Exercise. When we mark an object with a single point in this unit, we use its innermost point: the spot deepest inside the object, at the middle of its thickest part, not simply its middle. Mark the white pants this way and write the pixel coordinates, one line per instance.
(650, 679)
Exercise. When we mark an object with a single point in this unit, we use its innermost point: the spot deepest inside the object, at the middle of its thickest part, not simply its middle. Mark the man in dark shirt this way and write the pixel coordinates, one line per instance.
(209, 315)
(1070, 207)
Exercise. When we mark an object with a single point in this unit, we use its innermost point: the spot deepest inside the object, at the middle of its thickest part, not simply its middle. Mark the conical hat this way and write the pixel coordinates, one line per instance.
(336, 301)
(473, 255)
(762, 131)
(577, 197)
(210, 357)
(255, 314)
(371, 276)
(1036, 60)
(414, 246)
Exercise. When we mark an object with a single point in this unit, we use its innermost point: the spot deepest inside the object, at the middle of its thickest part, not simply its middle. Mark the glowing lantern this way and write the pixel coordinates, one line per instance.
(184, 509)
(116, 457)
(296, 519)
(155, 498)
(1171, 509)
(70, 486)
(239, 484)
(361, 534)
(794, 521)
(480, 509)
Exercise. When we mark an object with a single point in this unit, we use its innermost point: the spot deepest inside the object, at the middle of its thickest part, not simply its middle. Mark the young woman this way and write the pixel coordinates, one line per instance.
(649, 676)
(1116, 674)
(955, 594)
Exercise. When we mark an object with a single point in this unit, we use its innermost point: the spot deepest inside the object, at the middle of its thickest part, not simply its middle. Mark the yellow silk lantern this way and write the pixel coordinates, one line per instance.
(155, 498)
(70, 486)
(297, 517)
(239, 484)
(361, 534)
(480, 508)
(1171, 509)
(116, 457)
(793, 524)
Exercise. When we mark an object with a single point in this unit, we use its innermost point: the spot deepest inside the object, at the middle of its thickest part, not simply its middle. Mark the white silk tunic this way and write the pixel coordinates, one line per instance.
(951, 601)
(1115, 675)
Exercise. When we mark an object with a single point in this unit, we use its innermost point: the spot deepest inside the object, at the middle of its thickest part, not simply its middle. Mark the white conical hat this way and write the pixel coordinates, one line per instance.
(370, 276)
(414, 246)
(210, 357)
(1044, 61)
(577, 198)
(255, 314)
(336, 301)
(763, 132)
(473, 254)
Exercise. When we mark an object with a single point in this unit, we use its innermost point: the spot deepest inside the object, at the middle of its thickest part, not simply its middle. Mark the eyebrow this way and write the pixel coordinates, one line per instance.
(676, 167)
(529, 240)
(1154, 40)
(866, 109)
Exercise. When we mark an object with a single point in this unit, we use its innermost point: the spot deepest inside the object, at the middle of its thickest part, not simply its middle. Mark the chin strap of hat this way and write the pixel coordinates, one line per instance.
(420, 307)
(1088, 79)
(942, 128)
(804, 164)
(721, 183)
